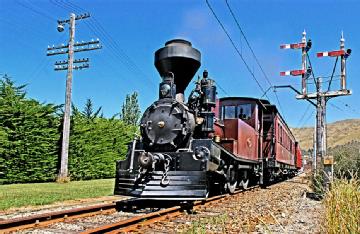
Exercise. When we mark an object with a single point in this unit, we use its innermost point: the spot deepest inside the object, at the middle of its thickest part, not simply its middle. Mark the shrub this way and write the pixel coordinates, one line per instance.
(342, 204)
(30, 139)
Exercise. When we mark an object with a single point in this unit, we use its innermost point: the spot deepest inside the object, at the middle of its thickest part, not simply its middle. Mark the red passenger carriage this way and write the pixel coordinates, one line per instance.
(253, 129)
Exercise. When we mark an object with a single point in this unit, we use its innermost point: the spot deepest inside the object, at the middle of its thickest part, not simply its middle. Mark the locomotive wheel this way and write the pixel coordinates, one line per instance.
(244, 183)
(231, 183)
(207, 189)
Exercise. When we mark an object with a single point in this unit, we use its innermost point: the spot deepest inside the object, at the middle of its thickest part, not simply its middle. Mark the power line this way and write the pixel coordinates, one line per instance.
(278, 101)
(303, 116)
(253, 53)
(235, 47)
(311, 68)
(351, 108)
(95, 29)
(115, 49)
(332, 74)
(247, 42)
(223, 90)
(22, 3)
(311, 115)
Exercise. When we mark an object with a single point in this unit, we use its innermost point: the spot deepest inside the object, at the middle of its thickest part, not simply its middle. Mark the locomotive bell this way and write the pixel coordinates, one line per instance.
(180, 58)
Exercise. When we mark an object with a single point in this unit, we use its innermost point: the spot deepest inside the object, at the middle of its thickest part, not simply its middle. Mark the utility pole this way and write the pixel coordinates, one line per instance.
(322, 161)
(68, 65)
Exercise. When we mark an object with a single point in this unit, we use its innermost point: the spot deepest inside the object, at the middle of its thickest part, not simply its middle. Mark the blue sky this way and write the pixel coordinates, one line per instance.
(131, 31)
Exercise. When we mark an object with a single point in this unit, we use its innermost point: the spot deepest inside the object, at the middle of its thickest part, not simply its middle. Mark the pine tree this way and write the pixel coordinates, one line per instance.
(130, 110)
(89, 112)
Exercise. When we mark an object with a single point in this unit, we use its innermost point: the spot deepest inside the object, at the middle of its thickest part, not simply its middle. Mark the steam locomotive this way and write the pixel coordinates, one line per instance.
(188, 150)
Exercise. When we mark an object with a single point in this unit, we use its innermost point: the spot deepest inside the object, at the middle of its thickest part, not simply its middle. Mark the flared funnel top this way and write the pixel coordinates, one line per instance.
(180, 58)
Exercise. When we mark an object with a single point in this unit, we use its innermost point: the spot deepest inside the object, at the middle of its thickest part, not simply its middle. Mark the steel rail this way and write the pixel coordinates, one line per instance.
(134, 223)
(137, 222)
(41, 220)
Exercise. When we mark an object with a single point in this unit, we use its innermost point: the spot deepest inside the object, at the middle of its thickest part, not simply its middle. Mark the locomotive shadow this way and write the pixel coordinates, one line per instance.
(137, 205)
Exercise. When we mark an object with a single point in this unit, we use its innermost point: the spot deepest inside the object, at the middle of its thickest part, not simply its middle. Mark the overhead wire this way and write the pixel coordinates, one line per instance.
(349, 107)
(332, 74)
(221, 88)
(312, 70)
(43, 62)
(311, 115)
(44, 14)
(99, 30)
(235, 47)
(247, 42)
(253, 53)
(303, 116)
(336, 107)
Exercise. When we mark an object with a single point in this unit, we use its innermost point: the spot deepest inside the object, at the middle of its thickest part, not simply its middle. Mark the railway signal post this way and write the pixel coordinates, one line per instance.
(68, 65)
(323, 161)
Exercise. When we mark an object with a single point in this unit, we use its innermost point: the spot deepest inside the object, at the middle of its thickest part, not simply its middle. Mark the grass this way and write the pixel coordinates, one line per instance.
(17, 195)
(342, 204)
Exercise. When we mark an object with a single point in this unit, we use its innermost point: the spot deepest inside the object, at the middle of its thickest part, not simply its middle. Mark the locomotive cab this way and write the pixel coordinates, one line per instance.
(240, 131)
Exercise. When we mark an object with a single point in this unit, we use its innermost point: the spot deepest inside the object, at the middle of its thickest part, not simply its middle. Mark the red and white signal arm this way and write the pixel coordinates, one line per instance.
(292, 73)
(334, 53)
(293, 46)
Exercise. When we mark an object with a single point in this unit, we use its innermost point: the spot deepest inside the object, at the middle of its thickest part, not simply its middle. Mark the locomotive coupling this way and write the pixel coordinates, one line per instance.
(148, 161)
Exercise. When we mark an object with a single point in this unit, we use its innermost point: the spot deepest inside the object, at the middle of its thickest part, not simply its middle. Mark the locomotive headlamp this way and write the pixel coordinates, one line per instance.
(165, 89)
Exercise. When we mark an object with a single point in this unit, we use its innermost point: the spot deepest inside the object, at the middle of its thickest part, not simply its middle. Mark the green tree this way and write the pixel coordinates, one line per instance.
(28, 134)
(130, 110)
(96, 143)
(30, 138)
(89, 112)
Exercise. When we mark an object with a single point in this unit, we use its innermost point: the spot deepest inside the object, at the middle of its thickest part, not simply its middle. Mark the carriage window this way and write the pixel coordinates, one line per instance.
(244, 111)
(229, 112)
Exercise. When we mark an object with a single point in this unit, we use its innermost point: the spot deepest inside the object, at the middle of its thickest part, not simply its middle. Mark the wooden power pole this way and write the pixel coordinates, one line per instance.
(323, 161)
(68, 65)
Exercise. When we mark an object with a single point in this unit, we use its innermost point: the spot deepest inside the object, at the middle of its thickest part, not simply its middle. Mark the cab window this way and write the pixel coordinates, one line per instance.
(229, 112)
(244, 111)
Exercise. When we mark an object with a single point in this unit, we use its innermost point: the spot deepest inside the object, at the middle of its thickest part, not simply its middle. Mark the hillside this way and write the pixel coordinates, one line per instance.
(339, 133)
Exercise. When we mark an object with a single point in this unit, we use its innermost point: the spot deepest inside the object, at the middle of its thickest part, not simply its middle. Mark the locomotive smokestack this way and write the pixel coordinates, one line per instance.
(180, 58)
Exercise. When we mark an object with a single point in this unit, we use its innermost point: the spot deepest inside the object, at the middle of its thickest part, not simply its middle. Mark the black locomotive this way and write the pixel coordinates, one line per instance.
(190, 149)
(175, 151)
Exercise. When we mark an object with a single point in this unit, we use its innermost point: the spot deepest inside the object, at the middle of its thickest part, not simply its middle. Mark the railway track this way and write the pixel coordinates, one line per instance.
(126, 221)
(136, 224)
(46, 219)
